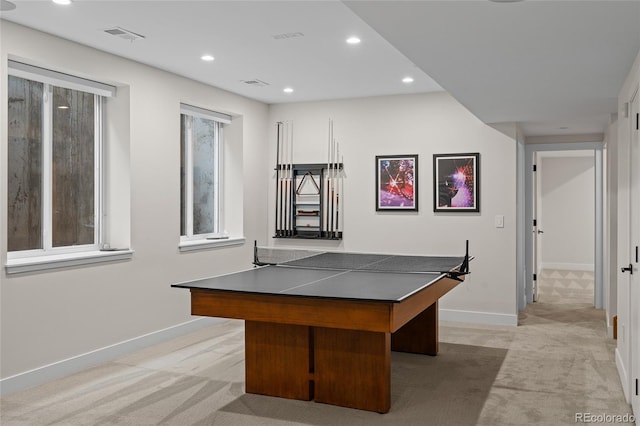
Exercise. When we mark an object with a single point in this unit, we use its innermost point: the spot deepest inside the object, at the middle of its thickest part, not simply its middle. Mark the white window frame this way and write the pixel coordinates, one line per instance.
(50, 79)
(221, 119)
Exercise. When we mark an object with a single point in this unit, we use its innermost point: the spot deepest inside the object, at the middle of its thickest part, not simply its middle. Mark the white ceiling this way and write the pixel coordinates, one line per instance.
(555, 67)
(544, 64)
(317, 63)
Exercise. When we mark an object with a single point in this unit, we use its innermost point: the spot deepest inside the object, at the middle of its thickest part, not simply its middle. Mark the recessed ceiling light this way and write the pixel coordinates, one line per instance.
(207, 58)
(64, 2)
(353, 40)
(63, 106)
(407, 80)
(288, 90)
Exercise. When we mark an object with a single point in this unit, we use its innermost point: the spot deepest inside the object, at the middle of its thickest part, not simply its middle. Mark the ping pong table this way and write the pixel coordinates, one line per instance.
(322, 326)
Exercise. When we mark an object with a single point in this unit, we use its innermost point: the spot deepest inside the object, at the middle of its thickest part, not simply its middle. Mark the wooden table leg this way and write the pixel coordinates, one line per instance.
(353, 368)
(277, 360)
(420, 335)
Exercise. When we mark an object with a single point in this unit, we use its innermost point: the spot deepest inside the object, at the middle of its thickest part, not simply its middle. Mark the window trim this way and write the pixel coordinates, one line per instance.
(64, 260)
(205, 113)
(191, 241)
(205, 244)
(60, 79)
(49, 79)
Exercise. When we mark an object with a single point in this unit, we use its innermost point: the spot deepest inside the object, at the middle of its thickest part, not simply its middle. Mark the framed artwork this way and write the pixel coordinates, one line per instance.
(456, 185)
(397, 182)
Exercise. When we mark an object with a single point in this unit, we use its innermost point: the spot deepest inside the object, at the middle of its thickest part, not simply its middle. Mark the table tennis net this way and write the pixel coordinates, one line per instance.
(310, 259)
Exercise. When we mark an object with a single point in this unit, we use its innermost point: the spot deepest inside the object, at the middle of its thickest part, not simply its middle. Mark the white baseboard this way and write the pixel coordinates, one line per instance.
(72, 365)
(588, 267)
(473, 317)
(624, 378)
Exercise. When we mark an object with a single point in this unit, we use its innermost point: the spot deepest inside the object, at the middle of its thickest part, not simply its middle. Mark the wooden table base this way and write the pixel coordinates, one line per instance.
(349, 368)
(331, 351)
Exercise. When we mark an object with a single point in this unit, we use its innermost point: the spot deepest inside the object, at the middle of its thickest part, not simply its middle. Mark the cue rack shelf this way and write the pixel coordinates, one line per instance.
(308, 203)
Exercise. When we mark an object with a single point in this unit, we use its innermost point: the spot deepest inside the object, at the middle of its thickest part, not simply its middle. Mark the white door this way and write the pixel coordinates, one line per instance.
(634, 289)
(536, 225)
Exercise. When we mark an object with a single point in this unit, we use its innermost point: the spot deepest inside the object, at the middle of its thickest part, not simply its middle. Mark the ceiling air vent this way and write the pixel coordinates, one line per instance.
(125, 34)
(287, 35)
(255, 82)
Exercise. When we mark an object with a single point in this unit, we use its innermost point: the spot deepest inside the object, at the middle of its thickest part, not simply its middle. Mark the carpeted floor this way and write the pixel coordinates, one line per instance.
(556, 364)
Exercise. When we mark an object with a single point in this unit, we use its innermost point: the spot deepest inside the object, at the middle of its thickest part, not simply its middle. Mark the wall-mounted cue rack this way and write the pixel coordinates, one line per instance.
(309, 200)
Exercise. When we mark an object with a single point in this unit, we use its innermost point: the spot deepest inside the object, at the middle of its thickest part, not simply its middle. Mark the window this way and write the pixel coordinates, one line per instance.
(200, 172)
(54, 168)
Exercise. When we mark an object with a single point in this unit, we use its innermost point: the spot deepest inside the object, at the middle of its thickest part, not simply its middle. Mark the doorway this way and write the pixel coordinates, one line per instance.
(564, 216)
(530, 228)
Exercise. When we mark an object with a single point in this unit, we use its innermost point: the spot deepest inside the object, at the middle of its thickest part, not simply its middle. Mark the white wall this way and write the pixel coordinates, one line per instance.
(567, 216)
(47, 317)
(54, 315)
(424, 124)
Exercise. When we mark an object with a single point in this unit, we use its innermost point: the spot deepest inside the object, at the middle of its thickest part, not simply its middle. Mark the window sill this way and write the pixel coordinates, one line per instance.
(204, 244)
(40, 263)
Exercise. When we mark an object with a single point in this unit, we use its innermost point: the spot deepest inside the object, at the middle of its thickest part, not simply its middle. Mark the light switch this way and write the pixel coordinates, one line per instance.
(499, 221)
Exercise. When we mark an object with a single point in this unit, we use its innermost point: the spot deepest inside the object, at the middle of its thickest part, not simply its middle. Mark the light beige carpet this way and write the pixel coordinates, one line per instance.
(556, 364)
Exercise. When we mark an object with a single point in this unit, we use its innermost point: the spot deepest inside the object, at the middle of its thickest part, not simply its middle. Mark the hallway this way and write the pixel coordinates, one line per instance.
(560, 363)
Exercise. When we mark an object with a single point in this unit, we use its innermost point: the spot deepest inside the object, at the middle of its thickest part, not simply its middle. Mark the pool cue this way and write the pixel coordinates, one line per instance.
(277, 231)
(338, 191)
(337, 232)
(325, 213)
(335, 187)
(286, 179)
(280, 166)
(282, 199)
(329, 183)
(279, 208)
(341, 190)
(291, 177)
(332, 174)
